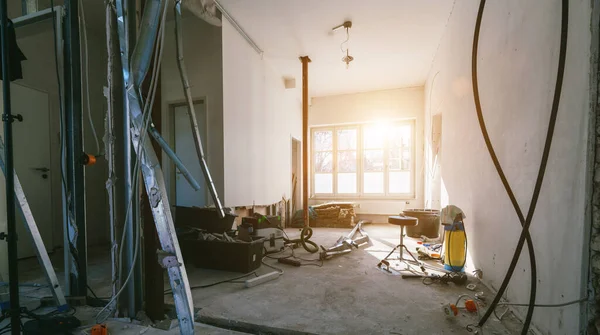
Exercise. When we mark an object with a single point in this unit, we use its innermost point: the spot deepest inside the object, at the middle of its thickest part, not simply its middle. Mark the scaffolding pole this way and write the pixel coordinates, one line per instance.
(75, 175)
(11, 234)
(192, 112)
(153, 177)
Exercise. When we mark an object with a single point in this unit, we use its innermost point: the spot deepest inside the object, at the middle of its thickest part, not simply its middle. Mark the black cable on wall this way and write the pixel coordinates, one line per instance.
(525, 222)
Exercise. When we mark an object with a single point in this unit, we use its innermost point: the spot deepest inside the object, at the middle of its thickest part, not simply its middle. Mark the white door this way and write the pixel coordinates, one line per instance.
(185, 148)
(31, 144)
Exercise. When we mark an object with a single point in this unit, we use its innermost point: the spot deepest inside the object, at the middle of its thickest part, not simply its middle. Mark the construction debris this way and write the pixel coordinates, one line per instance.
(345, 243)
(334, 215)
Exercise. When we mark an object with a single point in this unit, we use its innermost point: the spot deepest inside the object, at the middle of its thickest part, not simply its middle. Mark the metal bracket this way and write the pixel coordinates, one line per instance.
(3, 236)
(12, 118)
(167, 260)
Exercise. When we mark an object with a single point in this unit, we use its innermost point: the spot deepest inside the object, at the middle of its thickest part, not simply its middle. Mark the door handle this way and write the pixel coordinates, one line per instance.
(42, 169)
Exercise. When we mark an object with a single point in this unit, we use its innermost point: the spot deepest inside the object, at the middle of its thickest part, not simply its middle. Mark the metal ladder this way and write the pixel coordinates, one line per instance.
(40, 248)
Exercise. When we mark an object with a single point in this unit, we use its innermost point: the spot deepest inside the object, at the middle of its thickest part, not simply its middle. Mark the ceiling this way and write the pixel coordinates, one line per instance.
(393, 41)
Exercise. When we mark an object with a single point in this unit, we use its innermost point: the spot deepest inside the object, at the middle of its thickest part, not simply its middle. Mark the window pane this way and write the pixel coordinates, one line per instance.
(323, 161)
(399, 158)
(373, 182)
(323, 183)
(395, 152)
(323, 140)
(347, 139)
(395, 164)
(346, 183)
(399, 182)
(406, 159)
(373, 160)
(394, 158)
(400, 136)
(374, 137)
(347, 161)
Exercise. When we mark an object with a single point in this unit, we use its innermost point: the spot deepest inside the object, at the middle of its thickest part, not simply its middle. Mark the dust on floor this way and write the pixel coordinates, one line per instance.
(347, 295)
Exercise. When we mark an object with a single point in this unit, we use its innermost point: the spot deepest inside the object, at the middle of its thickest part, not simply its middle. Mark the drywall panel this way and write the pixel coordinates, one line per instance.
(395, 104)
(260, 117)
(517, 71)
(202, 50)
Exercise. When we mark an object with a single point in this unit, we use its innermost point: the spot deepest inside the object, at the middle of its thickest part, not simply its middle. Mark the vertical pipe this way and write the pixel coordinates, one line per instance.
(13, 268)
(112, 47)
(155, 186)
(192, 112)
(75, 175)
(135, 291)
(58, 45)
(131, 195)
(305, 60)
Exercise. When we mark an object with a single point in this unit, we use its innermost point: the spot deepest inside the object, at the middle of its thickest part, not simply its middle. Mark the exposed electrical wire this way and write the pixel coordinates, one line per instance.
(568, 303)
(60, 104)
(87, 77)
(346, 41)
(281, 272)
(232, 280)
(311, 262)
(525, 222)
(562, 304)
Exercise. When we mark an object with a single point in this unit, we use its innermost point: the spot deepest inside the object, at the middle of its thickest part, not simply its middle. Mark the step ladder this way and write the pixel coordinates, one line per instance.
(40, 248)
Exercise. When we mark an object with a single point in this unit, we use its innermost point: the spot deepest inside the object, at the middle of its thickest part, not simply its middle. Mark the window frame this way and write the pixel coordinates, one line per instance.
(360, 169)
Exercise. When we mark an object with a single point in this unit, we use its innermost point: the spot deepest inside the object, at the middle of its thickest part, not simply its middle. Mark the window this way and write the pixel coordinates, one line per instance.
(363, 160)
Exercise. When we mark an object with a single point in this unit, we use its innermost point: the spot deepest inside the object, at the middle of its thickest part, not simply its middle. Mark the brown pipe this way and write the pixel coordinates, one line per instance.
(305, 60)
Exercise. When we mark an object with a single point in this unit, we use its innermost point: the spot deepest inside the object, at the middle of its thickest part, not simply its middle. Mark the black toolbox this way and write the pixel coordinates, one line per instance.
(236, 256)
(204, 218)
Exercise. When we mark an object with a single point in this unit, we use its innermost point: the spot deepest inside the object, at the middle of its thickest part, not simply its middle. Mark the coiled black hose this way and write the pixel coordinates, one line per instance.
(305, 241)
(525, 222)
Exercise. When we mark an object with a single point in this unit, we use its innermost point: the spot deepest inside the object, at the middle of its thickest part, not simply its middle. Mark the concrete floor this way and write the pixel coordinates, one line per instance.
(347, 295)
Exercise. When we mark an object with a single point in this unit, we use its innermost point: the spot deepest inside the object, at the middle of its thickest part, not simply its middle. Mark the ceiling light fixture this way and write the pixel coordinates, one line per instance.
(347, 58)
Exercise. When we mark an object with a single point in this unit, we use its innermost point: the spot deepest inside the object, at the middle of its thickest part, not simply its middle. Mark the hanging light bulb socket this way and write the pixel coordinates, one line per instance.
(347, 58)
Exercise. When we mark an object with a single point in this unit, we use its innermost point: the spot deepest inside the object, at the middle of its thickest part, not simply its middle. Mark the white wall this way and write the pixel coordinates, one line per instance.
(260, 116)
(404, 103)
(517, 69)
(202, 51)
(36, 42)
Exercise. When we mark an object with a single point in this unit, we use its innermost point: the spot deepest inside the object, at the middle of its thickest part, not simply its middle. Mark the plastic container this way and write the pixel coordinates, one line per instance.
(455, 247)
(429, 222)
(237, 256)
(203, 218)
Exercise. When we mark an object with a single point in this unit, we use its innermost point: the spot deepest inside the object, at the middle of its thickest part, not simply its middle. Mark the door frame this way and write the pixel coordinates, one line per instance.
(172, 175)
(299, 171)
